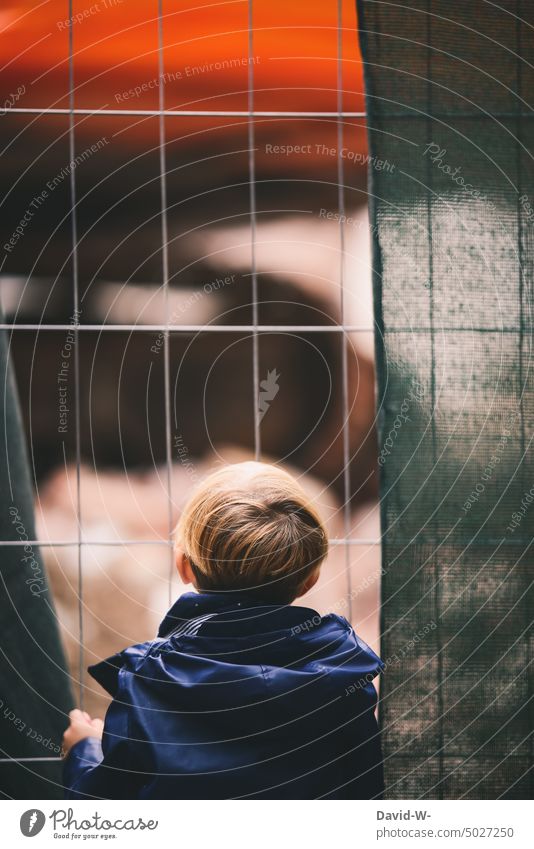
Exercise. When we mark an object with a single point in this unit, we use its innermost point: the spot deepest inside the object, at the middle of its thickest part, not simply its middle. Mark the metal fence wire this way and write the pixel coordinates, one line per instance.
(254, 329)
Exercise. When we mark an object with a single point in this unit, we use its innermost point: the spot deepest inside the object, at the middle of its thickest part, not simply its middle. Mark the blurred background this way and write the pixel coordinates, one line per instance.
(104, 478)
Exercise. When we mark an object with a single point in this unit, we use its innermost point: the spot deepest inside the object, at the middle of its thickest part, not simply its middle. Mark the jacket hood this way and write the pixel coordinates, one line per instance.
(256, 650)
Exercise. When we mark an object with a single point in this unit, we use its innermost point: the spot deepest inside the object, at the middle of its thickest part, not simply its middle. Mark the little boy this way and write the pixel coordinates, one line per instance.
(241, 695)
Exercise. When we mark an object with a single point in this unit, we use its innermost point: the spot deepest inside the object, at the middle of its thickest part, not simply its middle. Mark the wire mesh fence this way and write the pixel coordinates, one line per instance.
(166, 328)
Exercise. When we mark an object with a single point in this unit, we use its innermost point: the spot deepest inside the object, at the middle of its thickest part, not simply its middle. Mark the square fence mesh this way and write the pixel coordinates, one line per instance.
(37, 679)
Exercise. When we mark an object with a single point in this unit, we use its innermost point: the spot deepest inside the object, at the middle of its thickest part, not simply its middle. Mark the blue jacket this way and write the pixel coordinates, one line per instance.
(236, 699)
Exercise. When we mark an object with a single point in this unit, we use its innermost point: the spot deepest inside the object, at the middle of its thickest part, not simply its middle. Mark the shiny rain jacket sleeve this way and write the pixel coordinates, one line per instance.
(107, 770)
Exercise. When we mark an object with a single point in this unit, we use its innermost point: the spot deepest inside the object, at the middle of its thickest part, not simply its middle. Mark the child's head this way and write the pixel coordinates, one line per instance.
(250, 527)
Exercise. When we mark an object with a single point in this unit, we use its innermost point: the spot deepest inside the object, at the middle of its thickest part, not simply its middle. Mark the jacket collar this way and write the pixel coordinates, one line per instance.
(190, 605)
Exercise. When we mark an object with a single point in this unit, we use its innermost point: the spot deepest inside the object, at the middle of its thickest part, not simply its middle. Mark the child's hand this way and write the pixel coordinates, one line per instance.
(81, 726)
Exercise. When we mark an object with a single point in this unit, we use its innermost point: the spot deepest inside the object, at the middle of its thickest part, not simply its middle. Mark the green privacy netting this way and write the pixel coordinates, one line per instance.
(449, 88)
(35, 694)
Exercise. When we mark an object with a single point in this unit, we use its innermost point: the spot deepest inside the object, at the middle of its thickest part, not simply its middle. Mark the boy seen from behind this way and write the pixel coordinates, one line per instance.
(242, 694)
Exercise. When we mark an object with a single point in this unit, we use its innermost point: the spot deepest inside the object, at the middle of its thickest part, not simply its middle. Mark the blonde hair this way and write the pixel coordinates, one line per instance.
(250, 527)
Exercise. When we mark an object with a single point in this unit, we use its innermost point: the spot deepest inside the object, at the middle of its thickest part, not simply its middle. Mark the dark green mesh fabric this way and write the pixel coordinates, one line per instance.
(35, 693)
(449, 94)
